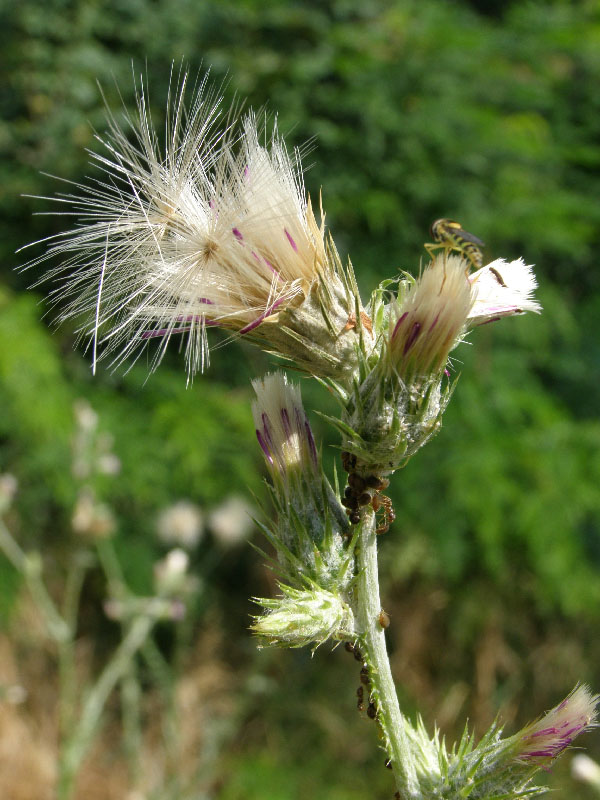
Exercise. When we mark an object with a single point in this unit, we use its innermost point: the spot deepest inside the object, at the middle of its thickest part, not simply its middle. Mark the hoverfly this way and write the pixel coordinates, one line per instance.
(449, 235)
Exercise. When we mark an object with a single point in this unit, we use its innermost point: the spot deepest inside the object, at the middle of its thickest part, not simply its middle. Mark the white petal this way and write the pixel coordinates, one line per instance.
(501, 289)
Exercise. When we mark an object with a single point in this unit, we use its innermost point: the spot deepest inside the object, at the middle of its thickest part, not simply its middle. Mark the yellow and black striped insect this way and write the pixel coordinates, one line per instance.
(449, 235)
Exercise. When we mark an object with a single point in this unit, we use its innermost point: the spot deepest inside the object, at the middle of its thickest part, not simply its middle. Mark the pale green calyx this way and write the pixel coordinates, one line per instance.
(326, 332)
(302, 617)
(386, 421)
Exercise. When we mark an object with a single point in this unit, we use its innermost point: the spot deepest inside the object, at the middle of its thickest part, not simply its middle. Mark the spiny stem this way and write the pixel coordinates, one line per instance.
(394, 725)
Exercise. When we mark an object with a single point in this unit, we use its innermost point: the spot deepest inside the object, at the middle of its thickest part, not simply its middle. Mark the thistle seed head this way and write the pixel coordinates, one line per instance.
(212, 229)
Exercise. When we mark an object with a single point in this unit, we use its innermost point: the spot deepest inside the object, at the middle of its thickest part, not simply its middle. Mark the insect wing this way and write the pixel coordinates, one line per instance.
(470, 237)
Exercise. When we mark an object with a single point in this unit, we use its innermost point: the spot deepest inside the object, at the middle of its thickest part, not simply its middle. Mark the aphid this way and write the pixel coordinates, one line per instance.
(449, 235)
(364, 490)
(384, 619)
(364, 675)
(372, 711)
(354, 649)
(360, 693)
(348, 461)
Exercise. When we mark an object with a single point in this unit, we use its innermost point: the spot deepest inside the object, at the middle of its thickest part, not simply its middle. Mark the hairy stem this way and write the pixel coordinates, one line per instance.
(393, 724)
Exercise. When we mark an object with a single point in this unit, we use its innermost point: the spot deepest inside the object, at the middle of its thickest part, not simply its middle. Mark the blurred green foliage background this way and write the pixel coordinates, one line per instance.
(485, 112)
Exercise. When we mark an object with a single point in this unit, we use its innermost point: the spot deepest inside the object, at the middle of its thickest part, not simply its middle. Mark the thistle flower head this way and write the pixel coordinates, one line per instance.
(502, 289)
(309, 530)
(214, 229)
(498, 766)
(426, 323)
(546, 739)
(399, 404)
(283, 430)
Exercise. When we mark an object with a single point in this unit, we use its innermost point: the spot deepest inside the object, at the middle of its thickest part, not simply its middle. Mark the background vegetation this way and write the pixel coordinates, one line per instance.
(484, 112)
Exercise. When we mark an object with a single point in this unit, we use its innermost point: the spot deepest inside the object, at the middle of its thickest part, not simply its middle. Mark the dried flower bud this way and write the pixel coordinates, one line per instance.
(162, 608)
(85, 417)
(14, 694)
(109, 464)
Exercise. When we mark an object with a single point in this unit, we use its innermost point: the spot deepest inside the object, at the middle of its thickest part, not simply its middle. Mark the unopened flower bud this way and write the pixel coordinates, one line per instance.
(504, 767)
(302, 617)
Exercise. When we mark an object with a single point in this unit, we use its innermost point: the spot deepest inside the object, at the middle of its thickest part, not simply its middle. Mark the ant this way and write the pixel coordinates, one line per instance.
(364, 490)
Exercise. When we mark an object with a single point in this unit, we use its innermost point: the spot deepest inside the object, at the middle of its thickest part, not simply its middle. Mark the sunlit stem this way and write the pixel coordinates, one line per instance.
(394, 725)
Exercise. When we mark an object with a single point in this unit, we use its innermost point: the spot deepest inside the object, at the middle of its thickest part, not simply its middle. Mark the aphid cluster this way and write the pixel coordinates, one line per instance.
(364, 490)
(449, 235)
(365, 683)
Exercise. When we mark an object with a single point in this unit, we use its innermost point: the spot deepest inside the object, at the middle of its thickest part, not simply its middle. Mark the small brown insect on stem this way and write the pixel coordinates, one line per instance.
(364, 490)
(384, 619)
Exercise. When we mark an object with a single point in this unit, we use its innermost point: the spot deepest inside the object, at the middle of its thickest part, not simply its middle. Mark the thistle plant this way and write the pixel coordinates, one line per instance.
(216, 230)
